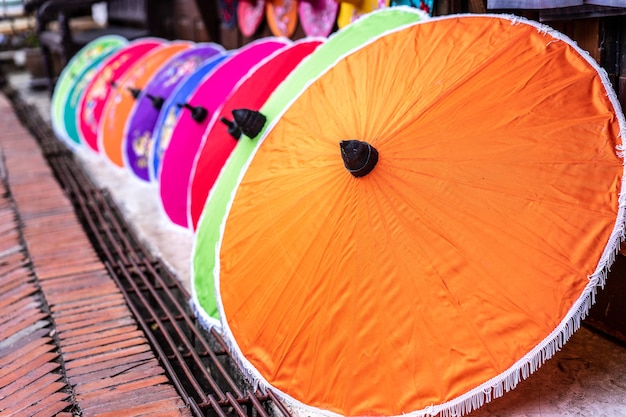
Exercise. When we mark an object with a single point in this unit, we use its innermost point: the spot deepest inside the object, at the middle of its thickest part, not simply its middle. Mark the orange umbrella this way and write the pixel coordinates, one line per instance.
(208, 226)
(427, 222)
(121, 102)
(282, 17)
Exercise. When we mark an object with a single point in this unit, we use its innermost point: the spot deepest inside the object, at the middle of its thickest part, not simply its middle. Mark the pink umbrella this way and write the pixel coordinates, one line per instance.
(251, 93)
(138, 132)
(120, 105)
(193, 121)
(250, 14)
(318, 17)
(98, 90)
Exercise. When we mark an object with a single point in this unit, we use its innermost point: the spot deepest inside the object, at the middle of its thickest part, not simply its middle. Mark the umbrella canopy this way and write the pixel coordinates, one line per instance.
(120, 104)
(71, 75)
(318, 17)
(425, 238)
(351, 10)
(424, 5)
(250, 93)
(70, 112)
(178, 160)
(169, 113)
(208, 229)
(282, 16)
(99, 88)
(250, 14)
(137, 140)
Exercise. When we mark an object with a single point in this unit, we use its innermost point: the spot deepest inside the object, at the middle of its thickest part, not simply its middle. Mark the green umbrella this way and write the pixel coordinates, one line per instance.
(208, 231)
(70, 112)
(72, 81)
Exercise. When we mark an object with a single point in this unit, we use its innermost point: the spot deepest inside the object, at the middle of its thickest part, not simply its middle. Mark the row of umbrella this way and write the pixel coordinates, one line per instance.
(317, 17)
(150, 106)
(405, 218)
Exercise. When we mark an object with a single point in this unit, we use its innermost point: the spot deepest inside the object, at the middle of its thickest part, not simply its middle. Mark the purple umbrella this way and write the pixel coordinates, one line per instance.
(140, 125)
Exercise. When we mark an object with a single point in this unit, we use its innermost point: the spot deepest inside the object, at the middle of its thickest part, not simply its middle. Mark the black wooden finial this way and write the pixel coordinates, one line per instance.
(198, 113)
(359, 157)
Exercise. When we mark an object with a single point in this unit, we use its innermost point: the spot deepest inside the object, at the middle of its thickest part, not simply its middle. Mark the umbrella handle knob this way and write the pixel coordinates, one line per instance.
(359, 157)
(157, 102)
(134, 92)
(233, 128)
(198, 113)
(249, 121)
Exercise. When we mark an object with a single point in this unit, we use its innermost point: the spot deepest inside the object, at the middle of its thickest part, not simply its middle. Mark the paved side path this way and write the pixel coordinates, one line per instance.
(68, 342)
(30, 379)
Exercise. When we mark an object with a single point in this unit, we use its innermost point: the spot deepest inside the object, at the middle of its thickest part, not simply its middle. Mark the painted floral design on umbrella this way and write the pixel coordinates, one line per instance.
(318, 17)
(84, 60)
(120, 104)
(99, 88)
(282, 17)
(227, 10)
(250, 14)
(137, 142)
(171, 109)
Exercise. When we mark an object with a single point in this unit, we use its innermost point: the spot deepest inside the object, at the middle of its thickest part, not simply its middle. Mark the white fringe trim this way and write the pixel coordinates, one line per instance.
(529, 363)
(206, 321)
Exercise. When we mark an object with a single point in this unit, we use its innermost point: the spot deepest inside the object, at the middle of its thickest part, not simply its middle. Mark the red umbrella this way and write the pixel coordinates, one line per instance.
(98, 90)
(250, 93)
(177, 161)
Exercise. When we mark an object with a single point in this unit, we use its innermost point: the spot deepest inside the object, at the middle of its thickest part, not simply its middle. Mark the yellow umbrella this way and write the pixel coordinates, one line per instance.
(351, 10)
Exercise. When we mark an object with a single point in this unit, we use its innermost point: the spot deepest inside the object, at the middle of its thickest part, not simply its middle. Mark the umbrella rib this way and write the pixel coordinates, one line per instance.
(431, 225)
(466, 76)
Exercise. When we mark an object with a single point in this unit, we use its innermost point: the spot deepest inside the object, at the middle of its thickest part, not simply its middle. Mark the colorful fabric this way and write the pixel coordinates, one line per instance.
(208, 230)
(169, 113)
(70, 75)
(468, 255)
(120, 104)
(318, 17)
(138, 139)
(99, 88)
(250, 14)
(424, 5)
(71, 113)
(227, 10)
(251, 93)
(177, 163)
(350, 11)
(282, 17)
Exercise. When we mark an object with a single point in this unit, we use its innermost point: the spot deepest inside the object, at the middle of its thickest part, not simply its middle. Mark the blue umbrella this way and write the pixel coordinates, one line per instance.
(170, 110)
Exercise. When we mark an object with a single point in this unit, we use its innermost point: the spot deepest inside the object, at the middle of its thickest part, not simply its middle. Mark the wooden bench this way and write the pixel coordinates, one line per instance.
(60, 33)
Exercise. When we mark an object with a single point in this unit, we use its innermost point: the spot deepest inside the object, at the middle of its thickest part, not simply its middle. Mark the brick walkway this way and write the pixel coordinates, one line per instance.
(69, 345)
